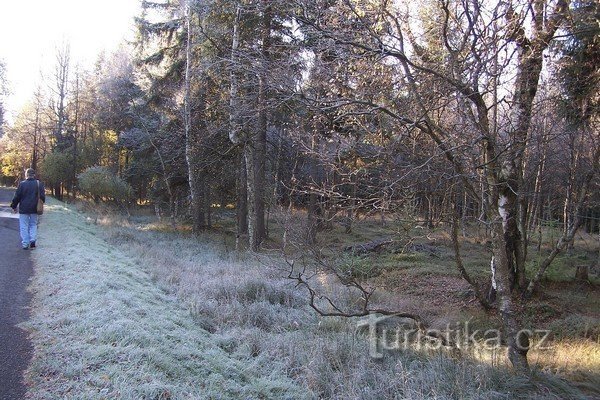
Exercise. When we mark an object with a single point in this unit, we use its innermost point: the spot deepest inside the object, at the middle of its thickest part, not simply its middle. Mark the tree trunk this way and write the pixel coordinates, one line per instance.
(598, 257)
(312, 219)
(57, 190)
(516, 340)
(36, 132)
(198, 214)
(509, 208)
(193, 139)
(61, 75)
(260, 138)
(236, 135)
(312, 212)
(500, 210)
(259, 160)
(535, 220)
(254, 145)
(206, 203)
(253, 235)
(529, 67)
(242, 198)
(352, 206)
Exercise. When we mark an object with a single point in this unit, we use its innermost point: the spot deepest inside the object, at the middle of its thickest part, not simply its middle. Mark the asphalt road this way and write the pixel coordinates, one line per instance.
(16, 269)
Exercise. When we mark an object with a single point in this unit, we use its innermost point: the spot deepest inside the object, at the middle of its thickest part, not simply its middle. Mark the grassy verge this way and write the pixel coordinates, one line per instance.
(134, 310)
(102, 329)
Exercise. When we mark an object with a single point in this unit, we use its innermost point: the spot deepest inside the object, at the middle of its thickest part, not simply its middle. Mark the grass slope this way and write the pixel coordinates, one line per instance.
(102, 329)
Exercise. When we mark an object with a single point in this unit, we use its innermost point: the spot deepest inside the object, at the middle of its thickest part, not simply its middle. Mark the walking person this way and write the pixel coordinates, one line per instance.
(26, 198)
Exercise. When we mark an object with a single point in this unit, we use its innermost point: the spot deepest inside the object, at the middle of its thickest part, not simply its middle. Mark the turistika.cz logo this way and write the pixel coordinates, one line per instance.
(384, 336)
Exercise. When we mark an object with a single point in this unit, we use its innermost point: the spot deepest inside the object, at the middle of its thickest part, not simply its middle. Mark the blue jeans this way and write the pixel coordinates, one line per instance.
(28, 227)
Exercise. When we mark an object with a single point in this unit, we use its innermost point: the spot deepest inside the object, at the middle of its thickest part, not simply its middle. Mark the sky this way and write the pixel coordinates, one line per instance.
(32, 30)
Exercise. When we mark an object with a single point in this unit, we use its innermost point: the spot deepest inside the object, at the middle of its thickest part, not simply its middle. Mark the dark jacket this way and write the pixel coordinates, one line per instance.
(27, 195)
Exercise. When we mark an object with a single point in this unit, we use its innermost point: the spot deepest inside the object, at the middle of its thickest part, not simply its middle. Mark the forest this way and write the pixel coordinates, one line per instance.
(347, 137)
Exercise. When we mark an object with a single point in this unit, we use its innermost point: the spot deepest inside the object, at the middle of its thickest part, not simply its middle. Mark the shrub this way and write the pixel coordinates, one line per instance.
(101, 183)
(57, 167)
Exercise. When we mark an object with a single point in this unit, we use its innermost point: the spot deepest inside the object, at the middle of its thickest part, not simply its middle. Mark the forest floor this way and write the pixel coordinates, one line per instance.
(132, 308)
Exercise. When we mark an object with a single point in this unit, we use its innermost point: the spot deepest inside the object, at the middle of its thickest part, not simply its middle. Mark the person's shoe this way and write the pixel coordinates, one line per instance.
(32, 245)
(25, 247)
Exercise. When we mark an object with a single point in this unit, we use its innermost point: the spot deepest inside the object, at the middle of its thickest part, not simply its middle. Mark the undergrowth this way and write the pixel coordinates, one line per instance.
(133, 310)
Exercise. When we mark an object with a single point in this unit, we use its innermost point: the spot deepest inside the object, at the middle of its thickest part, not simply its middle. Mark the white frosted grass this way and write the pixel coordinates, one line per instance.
(257, 316)
(101, 328)
(223, 326)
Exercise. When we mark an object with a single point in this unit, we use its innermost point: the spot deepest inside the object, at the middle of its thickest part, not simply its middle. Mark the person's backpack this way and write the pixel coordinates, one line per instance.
(40, 203)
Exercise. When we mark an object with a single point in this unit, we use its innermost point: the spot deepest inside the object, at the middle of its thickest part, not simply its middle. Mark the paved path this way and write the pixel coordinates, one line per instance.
(15, 270)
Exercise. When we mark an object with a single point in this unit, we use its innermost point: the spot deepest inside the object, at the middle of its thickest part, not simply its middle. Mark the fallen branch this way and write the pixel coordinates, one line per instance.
(365, 309)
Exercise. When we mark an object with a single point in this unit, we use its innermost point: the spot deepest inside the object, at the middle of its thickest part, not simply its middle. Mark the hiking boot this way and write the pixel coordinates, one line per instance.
(32, 245)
